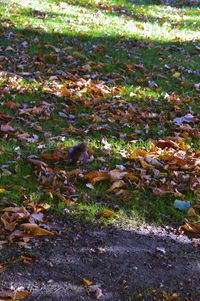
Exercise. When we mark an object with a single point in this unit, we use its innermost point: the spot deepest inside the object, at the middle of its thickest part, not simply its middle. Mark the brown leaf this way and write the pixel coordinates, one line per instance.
(56, 156)
(191, 228)
(7, 128)
(191, 212)
(35, 230)
(38, 163)
(116, 174)
(2, 268)
(11, 104)
(116, 184)
(14, 295)
(96, 176)
(166, 143)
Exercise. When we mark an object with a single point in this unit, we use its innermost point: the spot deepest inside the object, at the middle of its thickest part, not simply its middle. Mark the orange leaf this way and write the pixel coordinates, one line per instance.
(96, 176)
(88, 282)
(190, 228)
(108, 213)
(174, 296)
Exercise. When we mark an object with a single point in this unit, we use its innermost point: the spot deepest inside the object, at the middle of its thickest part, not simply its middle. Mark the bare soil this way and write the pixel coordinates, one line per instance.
(121, 264)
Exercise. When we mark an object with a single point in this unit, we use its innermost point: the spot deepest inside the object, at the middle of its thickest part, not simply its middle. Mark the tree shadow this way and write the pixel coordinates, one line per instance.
(125, 264)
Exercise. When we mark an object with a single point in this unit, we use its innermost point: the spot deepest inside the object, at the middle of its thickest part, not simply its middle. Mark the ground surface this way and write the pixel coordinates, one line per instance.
(122, 77)
(124, 264)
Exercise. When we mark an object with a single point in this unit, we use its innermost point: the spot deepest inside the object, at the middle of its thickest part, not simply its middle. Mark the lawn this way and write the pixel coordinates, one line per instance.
(122, 76)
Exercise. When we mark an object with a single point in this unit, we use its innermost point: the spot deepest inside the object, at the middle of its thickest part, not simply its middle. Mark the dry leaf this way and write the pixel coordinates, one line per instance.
(14, 295)
(190, 228)
(117, 184)
(116, 174)
(96, 176)
(35, 230)
(87, 281)
(108, 213)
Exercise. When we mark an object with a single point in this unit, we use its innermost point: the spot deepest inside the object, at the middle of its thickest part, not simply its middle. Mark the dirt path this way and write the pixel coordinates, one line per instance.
(124, 264)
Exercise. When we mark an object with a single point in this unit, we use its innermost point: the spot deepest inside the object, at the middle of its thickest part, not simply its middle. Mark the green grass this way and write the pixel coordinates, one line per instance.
(149, 52)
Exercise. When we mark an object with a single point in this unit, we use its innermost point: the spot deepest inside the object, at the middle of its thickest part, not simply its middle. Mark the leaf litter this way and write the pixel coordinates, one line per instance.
(169, 166)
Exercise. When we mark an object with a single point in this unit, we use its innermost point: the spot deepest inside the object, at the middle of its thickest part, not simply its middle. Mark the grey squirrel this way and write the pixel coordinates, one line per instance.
(78, 153)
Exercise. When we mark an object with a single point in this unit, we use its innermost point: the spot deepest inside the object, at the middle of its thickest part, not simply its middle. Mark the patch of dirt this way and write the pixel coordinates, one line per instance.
(123, 264)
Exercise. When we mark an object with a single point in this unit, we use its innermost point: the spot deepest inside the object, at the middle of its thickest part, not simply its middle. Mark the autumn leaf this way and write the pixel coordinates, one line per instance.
(116, 174)
(174, 296)
(35, 230)
(2, 268)
(88, 282)
(108, 213)
(14, 295)
(7, 128)
(117, 184)
(194, 228)
(96, 176)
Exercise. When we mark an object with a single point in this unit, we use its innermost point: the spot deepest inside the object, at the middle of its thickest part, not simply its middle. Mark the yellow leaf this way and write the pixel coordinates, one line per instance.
(87, 281)
(176, 74)
(121, 89)
(2, 190)
(35, 229)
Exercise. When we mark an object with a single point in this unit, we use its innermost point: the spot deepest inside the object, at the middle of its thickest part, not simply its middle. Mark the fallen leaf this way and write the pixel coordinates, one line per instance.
(14, 295)
(191, 228)
(96, 176)
(35, 230)
(88, 282)
(108, 213)
(116, 174)
(116, 184)
(7, 128)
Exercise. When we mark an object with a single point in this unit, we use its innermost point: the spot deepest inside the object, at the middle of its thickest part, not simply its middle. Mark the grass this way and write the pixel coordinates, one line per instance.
(149, 52)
